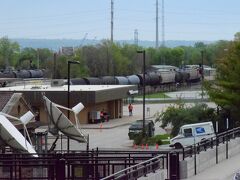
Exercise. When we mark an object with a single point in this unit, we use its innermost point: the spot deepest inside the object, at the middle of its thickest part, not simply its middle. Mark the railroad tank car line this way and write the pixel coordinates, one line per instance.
(156, 79)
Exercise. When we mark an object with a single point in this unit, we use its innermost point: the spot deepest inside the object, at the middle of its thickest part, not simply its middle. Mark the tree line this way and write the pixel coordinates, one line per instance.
(107, 58)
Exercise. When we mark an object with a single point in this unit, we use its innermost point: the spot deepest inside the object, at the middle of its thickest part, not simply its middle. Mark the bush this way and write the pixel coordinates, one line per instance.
(158, 139)
(140, 139)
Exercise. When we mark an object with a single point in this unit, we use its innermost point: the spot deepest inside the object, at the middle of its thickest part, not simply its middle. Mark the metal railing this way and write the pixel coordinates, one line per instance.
(83, 165)
(140, 169)
(211, 143)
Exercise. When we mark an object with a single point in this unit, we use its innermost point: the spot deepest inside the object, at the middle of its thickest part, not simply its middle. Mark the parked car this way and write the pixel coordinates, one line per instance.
(193, 133)
(137, 127)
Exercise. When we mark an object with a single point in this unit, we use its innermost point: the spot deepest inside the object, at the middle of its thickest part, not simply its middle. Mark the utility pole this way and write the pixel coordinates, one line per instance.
(112, 21)
(38, 58)
(144, 69)
(202, 69)
(54, 76)
(163, 25)
(156, 24)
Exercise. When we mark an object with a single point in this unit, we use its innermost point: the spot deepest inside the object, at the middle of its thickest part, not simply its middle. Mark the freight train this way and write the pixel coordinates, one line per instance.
(12, 75)
(156, 76)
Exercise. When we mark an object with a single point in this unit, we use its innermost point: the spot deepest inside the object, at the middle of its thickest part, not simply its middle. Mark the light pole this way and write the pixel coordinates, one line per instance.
(68, 95)
(143, 53)
(202, 75)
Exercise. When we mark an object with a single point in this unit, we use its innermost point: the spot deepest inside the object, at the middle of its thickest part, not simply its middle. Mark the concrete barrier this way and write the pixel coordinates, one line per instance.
(158, 175)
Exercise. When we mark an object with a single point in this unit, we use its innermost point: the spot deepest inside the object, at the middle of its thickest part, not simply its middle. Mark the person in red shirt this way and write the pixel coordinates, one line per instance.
(102, 116)
(130, 109)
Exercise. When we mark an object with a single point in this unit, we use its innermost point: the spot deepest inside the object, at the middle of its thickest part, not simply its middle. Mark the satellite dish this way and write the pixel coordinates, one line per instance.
(12, 137)
(62, 123)
(26, 118)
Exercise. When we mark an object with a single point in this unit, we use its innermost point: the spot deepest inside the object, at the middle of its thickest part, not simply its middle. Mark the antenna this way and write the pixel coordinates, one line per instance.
(136, 37)
(112, 20)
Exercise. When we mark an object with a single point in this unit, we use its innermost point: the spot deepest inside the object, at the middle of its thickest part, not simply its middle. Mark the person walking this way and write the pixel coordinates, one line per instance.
(130, 109)
(102, 115)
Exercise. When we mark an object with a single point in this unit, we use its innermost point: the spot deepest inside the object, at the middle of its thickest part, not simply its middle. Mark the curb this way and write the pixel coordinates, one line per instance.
(113, 126)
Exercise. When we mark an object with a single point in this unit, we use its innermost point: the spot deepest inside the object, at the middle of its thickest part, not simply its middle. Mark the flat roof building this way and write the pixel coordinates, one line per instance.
(95, 98)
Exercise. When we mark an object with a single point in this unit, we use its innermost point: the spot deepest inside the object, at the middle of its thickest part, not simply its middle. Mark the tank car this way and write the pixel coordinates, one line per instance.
(108, 80)
(78, 81)
(134, 80)
(121, 80)
(93, 80)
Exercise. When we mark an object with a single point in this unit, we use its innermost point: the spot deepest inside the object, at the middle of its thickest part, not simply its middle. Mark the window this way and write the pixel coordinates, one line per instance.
(200, 130)
(187, 132)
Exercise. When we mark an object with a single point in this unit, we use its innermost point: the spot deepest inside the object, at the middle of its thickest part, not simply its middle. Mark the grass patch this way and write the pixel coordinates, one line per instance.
(155, 95)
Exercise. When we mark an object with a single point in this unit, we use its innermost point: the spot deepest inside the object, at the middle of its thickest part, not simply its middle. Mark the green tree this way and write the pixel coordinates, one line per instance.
(9, 52)
(225, 90)
(28, 58)
(180, 114)
(43, 56)
(177, 56)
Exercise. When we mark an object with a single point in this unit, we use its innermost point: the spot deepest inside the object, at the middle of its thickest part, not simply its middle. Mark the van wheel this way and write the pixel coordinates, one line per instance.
(178, 146)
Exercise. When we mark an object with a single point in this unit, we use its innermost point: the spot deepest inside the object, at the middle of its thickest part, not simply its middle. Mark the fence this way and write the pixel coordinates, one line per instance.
(92, 164)
(219, 149)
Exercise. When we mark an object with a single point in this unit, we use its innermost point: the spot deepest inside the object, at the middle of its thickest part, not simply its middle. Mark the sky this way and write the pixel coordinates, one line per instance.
(75, 19)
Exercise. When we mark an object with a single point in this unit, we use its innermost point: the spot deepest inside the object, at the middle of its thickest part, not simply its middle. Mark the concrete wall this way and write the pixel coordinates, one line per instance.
(207, 158)
(158, 175)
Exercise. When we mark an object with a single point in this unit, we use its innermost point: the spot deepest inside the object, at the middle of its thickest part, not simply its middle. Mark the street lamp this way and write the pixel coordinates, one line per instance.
(68, 95)
(202, 73)
(143, 53)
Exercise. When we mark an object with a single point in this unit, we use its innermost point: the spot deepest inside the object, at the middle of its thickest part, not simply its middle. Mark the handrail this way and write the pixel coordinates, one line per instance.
(216, 140)
(132, 167)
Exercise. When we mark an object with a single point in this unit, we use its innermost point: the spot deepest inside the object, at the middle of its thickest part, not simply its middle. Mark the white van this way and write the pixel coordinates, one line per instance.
(192, 133)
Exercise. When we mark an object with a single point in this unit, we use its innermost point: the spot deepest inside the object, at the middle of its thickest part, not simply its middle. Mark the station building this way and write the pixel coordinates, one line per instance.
(95, 98)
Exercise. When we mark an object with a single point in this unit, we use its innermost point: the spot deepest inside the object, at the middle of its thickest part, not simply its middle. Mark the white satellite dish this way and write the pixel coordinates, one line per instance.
(26, 118)
(62, 123)
(12, 137)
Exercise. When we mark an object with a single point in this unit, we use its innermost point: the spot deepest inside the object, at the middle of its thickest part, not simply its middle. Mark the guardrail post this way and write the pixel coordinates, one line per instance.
(195, 160)
(183, 153)
(227, 147)
(211, 143)
(216, 149)
(60, 169)
(174, 166)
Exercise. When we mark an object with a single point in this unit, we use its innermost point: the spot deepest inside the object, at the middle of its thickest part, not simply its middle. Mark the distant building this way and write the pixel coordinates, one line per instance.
(67, 51)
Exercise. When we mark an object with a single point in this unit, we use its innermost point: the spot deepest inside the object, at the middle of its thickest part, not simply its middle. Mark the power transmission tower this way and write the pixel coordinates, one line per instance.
(163, 25)
(112, 20)
(136, 37)
(156, 24)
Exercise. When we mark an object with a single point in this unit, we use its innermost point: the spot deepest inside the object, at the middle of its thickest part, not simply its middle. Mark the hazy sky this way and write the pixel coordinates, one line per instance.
(184, 19)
